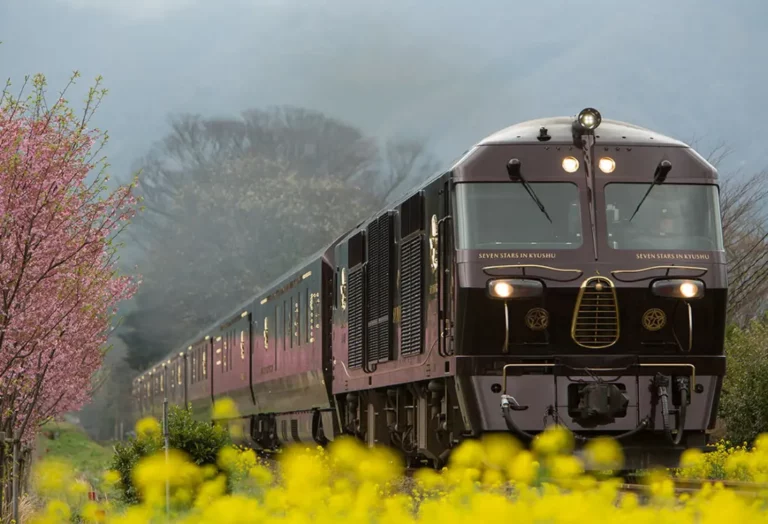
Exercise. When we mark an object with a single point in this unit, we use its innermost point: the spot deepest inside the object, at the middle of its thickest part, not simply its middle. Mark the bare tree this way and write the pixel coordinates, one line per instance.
(230, 204)
(743, 205)
(406, 159)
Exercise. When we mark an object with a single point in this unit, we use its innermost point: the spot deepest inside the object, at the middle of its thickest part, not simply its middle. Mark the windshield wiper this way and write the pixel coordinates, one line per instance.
(515, 173)
(658, 178)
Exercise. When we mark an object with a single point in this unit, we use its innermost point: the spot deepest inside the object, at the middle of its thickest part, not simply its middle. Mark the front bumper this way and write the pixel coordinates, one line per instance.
(546, 386)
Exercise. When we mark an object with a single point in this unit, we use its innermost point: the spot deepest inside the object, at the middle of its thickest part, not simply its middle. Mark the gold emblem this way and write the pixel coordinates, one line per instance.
(654, 319)
(537, 319)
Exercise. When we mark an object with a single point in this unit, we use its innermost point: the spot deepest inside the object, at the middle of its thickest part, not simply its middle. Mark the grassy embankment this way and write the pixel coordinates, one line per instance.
(62, 440)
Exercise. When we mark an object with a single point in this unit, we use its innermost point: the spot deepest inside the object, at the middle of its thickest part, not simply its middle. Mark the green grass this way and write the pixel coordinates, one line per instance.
(90, 459)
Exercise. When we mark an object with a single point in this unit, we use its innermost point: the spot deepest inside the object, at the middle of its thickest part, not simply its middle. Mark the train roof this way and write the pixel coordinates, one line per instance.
(244, 305)
(559, 129)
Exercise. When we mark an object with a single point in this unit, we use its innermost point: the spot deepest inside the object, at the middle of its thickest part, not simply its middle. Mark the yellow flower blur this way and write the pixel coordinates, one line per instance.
(148, 427)
(489, 480)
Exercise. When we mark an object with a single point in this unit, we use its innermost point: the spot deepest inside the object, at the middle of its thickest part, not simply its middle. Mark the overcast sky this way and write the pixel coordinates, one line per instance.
(452, 71)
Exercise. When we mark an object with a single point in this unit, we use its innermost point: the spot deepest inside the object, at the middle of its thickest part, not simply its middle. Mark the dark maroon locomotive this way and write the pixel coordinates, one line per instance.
(563, 271)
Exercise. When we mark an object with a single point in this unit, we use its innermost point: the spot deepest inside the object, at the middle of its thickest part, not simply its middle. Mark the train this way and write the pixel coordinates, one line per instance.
(566, 270)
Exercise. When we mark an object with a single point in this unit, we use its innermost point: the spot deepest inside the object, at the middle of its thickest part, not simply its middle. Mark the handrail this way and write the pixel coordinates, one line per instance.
(486, 270)
(615, 272)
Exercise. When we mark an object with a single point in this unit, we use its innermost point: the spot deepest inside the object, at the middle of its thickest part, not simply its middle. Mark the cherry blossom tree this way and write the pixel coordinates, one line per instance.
(59, 284)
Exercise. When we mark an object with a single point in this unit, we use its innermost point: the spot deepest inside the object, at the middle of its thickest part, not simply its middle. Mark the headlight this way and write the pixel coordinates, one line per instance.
(678, 288)
(606, 164)
(570, 164)
(510, 288)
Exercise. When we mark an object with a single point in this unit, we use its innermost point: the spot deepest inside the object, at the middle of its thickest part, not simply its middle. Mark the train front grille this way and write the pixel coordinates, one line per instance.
(596, 315)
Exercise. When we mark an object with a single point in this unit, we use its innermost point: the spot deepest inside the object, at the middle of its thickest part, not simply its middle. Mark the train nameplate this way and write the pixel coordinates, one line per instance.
(672, 256)
(522, 256)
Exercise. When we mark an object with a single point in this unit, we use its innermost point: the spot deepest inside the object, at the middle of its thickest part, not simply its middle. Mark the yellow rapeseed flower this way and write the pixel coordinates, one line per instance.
(53, 476)
(346, 453)
(351, 484)
(111, 478)
(555, 439)
(499, 449)
(261, 475)
(148, 427)
(92, 512)
(524, 468)
(227, 458)
(469, 455)
(604, 453)
(225, 408)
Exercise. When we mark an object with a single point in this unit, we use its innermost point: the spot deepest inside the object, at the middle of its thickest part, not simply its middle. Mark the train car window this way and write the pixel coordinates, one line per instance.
(490, 216)
(672, 217)
(205, 366)
(412, 215)
(356, 249)
(286, 324)
(242, 345)
(223, 350)
(178, 373)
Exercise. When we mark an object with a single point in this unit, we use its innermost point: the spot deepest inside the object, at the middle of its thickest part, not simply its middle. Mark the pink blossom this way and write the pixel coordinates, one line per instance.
(58, 279)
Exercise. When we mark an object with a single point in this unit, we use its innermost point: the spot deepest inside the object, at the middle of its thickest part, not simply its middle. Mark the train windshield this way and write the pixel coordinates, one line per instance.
(504, 216)
(673, 217)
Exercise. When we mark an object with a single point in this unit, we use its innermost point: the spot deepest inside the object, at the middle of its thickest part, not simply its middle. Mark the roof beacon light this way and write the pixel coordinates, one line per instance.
(590, 118)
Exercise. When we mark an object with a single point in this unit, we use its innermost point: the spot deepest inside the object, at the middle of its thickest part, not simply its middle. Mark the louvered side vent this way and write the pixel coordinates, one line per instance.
(412, 295)
(596, 317)
(379, 292)
(355, 318)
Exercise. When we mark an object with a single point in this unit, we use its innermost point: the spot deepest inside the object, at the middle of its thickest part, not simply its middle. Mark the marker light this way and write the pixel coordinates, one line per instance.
(589, 118)
(606, 164)
(678, 288)
(514, 288)
(570, 164)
